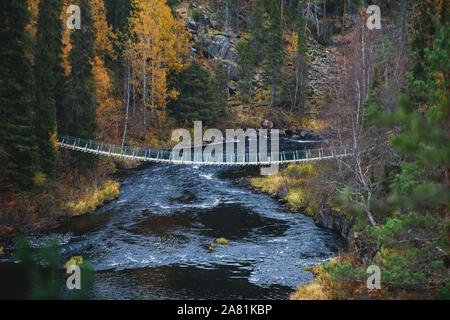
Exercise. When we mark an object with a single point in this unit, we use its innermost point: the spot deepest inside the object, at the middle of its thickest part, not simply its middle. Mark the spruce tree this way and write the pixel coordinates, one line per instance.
(258, 30)
(274, 51)
(17, 134)
(220, 85)
(294, 86)
(49, 75)
(78, 118)
(247, 64)
(425, 28)
(301, 67)
(198, 99)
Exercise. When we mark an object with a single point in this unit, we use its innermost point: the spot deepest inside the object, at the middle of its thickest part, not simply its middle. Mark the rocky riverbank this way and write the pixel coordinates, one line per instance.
(325, 217)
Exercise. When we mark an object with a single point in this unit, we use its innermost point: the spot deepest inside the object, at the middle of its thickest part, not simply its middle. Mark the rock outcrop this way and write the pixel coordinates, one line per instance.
(330, 218)
(266, 124)
(302, 134)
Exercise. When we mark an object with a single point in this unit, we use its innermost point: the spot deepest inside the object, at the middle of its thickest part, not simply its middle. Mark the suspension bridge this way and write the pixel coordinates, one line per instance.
(200, 158)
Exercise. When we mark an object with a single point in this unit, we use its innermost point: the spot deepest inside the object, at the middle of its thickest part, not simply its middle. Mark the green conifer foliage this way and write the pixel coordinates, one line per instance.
(17, 135)
(258, 30)
(247, 64)
(80, 106)
(425, 28)
(44, 267)
(220, 83)
(49, 76)
(198, 99)
(293, 93)
(274, 51)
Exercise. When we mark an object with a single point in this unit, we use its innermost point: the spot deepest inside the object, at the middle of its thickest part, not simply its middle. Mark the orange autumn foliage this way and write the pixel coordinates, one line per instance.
(109, 107)
(157, 46)
(34, 10)
(103, 44)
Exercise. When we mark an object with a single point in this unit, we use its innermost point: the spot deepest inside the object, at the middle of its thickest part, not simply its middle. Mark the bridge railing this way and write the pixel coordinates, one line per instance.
(150, 154)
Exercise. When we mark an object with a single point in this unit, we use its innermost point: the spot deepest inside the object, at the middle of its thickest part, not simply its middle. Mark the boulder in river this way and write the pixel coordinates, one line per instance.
(266, 124)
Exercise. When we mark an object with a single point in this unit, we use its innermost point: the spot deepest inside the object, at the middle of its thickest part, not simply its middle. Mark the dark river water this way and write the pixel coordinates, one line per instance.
(152, 242)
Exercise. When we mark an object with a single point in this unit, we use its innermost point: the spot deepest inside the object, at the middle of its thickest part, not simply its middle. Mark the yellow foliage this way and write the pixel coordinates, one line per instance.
(103, 44)
(269, 184)
(298, 181)
(33, 7)
(222, 241)
(157, 46)
(39, 179)
(75, 260)
(295, 198)
(109, 109)
(54, 139)
(319, 289)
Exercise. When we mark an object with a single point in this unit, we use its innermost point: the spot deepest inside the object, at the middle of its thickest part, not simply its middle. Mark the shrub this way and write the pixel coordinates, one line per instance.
(43, 270)
(221, 241)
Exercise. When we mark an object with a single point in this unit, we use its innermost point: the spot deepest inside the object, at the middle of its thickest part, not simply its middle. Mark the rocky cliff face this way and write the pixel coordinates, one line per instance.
(330, 218)
(209, 38)
(216, 44)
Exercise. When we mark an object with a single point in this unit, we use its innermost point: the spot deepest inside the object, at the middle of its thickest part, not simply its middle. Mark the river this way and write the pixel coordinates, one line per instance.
(152, 242)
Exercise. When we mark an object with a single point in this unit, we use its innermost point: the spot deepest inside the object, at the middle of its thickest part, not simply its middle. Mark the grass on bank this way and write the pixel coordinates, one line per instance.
(90, 201)
(319, 289)
(70, 194)
(325, 286)
(297, 185)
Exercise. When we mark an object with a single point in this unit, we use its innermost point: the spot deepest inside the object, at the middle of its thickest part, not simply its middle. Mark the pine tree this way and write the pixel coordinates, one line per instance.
(49, 75)
(17, 135)
(426, 136)
(80, 107)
